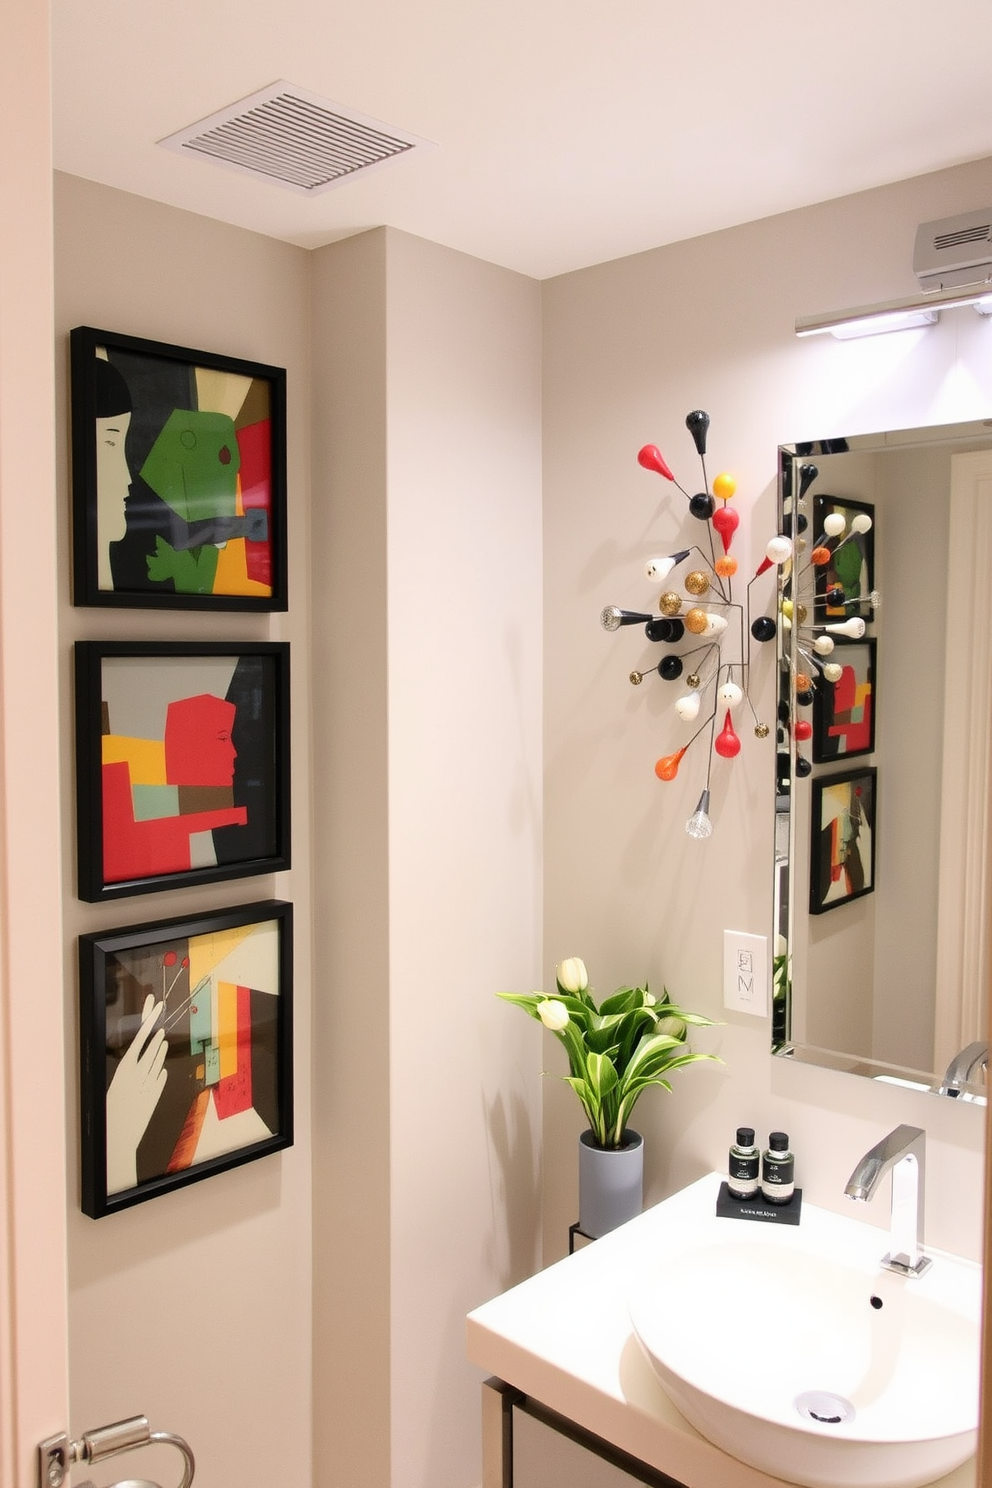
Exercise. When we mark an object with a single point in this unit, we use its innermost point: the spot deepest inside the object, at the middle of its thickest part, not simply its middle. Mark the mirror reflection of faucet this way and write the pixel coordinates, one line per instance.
(968, 1068)
(903, 1152)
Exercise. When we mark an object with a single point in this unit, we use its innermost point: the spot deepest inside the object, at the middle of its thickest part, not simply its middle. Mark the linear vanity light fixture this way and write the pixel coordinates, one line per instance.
(895, 315)
(952, 259)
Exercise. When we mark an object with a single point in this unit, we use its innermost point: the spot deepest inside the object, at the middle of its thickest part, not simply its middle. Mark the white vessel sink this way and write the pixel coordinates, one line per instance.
(795, 1351)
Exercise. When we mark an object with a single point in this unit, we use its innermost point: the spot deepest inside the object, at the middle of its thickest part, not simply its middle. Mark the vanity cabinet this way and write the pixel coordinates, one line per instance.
(533, 1447)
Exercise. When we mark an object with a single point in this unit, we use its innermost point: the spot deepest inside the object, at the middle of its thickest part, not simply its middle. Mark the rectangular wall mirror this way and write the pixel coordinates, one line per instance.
(882, 857)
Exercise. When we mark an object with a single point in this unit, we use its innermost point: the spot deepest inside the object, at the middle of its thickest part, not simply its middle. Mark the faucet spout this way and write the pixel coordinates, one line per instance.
(966, 1067)
(903, 1153)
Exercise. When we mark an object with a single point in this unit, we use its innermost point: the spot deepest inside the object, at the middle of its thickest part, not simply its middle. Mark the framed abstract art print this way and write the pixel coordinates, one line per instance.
(844, 584)
(178, 476)
(186, 1051)
(182, 763)
(844, 711)
(842, 838)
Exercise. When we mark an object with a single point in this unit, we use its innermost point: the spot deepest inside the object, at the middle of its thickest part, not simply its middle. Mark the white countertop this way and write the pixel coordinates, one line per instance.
(564, 1337)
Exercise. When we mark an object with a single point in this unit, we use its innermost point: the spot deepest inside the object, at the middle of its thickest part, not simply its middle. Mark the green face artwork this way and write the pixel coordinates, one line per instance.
(193, 465)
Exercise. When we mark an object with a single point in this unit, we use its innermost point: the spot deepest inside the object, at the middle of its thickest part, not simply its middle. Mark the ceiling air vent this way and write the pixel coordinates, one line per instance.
(954, 250)
(295, 138)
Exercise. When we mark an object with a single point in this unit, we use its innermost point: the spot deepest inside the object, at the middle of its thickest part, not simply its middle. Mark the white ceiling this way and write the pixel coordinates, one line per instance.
(569, 132)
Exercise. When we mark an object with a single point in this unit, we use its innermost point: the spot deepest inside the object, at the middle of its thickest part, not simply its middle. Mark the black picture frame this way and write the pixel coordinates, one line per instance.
(185, 1025)
(844, 712)
(182, 763)
(178, 476)
(843, 831)
(852, 562)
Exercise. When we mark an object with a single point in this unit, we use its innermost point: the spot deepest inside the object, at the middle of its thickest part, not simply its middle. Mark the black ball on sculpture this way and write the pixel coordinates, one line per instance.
(658, 630)
(805, 699)
(763, 629)
(702, 506)
(807, 475)
(803, 766)
(670, 667)
(802, 522)
(698, 422)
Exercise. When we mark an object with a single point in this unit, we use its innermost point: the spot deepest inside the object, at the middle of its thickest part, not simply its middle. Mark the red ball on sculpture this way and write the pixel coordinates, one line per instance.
(726, 519)
(803, 730)
(651, 458)
(727, 743)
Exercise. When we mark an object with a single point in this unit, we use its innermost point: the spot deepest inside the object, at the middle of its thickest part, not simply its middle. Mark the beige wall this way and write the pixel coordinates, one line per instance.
(195, 1308)
(465, 825)
(351, 1094)
(630, 347)
(427, 712)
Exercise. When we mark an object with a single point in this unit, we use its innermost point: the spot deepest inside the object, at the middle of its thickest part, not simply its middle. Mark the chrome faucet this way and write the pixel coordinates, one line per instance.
(904, 1151)
(965, 1068)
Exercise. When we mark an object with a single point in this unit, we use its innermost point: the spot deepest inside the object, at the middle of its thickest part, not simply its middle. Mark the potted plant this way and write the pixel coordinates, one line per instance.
(616, 1050)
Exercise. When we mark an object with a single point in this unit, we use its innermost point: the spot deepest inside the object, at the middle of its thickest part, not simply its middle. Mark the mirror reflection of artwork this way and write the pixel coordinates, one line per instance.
(183, 750)
(186, 1054)
(178, 482)
(843, 585)
(915, 952)
(844, 713)
(842, 864)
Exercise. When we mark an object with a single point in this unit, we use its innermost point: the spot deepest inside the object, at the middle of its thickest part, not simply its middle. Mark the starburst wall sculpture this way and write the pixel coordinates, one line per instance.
(717, 682)
(720, 661)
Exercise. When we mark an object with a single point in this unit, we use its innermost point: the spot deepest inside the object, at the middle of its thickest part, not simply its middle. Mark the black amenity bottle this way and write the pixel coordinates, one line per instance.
(777, 1169)
(744, 1165)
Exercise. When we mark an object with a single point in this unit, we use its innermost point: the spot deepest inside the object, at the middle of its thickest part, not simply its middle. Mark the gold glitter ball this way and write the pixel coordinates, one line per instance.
(636, 678)
(697, 582)
(761, 731)
(670, 604)
(695, 621)
(801, 613)
(693, 680)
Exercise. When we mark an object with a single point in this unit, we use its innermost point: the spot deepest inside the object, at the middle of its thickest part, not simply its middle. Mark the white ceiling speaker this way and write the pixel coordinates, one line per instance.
(294, 138)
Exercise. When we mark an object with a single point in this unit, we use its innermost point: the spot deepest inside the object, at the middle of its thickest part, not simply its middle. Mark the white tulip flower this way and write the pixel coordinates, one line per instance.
(553, 1014)
(572, 975)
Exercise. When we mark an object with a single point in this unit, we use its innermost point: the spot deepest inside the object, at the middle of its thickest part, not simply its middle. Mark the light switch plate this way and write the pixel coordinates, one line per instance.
(745, 973)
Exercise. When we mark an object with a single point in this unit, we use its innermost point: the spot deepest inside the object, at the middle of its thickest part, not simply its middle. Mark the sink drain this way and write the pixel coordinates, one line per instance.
(822, 1406)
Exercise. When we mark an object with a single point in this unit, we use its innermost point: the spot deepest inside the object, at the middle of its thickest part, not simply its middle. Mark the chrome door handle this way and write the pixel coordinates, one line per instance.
(57, 1455)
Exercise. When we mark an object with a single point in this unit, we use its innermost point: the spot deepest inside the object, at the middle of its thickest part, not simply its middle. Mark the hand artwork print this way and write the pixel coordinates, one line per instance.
(187, 1069)
(134, 1091)
(178, 476)
(844, 821)
(182, 754)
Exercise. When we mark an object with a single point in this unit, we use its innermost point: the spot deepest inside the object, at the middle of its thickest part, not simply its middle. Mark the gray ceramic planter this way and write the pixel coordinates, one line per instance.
(611, 1183)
